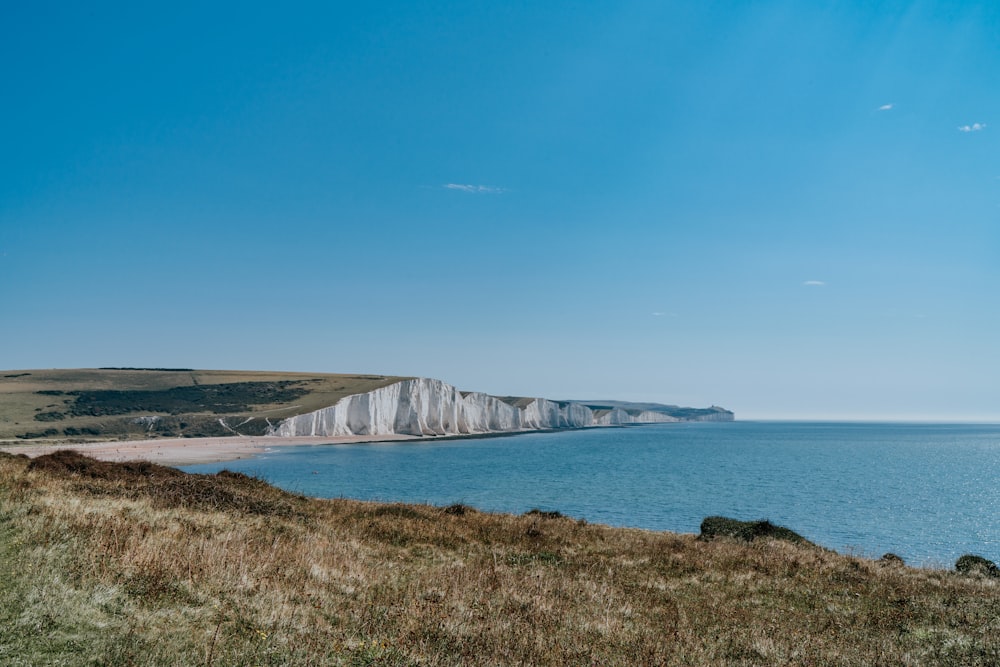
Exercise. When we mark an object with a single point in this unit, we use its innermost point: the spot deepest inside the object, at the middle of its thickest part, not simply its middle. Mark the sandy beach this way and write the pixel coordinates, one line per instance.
(185, 451)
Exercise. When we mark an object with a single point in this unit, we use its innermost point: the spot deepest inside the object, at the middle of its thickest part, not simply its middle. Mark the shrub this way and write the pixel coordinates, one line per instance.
(972, 564)
(31, 435)
(72, 462)
(83, 430)
(168, 487)
(748, 531)
(225, 398)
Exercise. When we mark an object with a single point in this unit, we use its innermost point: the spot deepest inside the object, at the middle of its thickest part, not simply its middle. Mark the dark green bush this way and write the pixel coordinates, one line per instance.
(217, 398)
(31, 435)
(891, 560)
(458, 509)
(748, 531)
(83, 430)
(972, 564)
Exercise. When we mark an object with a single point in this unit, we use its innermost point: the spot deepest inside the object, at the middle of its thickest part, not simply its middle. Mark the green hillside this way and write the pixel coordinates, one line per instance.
(119, 403)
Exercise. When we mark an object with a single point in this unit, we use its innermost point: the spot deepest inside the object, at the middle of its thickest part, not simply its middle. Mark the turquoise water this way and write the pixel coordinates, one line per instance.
(928, 493)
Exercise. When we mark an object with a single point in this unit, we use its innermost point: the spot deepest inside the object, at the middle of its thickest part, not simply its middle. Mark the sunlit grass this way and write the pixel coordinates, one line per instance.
(146, 567)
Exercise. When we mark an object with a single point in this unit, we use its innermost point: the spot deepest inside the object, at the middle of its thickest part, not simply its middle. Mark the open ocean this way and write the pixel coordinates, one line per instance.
(926, 492)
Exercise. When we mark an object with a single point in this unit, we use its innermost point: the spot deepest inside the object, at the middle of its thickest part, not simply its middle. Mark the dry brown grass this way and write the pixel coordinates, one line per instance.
(116, 566)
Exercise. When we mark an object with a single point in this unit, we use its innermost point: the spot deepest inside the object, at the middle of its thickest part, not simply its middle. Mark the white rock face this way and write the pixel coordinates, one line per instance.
(718, 416)
(651, 417)
(542, 413)
(425, 406)
(411, 407)
(614, 417)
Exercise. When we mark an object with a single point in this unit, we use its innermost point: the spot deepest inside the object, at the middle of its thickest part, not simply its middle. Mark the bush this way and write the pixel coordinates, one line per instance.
(458, 509)
(226, 398)
(31, 435)
(972, 564)
(891, 560)
(168, 487)
(83, 430)
(748, 531)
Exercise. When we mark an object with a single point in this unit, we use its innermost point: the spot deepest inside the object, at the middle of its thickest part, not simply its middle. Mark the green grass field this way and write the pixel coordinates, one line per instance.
(106, 404)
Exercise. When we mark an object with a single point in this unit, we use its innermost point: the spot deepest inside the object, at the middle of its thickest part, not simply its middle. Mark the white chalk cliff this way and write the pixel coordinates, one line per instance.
(424, 406)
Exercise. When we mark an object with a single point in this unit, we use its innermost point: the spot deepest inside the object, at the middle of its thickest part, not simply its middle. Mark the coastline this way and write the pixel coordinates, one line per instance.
(188, 451)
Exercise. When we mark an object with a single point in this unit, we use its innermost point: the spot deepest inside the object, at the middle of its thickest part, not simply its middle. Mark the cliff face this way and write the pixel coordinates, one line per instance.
(543, 413)
(412, 407)
(618, 416)
(425, 406)
(716, 415)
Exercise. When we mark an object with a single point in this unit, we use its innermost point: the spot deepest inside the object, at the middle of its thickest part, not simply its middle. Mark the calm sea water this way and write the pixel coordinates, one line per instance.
(928, 493)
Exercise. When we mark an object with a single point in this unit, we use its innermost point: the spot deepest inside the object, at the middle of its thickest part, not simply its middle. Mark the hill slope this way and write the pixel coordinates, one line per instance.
(95, 404)
(121, 564)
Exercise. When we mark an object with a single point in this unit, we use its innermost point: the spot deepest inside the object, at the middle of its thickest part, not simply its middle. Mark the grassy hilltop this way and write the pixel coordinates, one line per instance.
(137, 564)
(109, 404)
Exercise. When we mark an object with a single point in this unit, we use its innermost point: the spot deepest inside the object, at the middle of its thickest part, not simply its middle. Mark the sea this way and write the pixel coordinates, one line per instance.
(928, 493)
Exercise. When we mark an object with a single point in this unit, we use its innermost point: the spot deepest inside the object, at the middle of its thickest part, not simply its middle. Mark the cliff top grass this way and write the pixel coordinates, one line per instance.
(122, 564)
(109, 404)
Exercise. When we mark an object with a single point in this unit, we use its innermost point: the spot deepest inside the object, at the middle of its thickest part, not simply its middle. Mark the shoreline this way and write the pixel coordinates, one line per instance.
(189, 451)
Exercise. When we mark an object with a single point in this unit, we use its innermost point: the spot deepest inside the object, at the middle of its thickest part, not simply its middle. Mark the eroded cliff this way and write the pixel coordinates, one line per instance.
(424, 406)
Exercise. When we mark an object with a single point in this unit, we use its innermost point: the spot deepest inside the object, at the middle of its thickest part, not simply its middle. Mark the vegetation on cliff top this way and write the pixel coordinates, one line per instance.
(132, 403)
(121, 564)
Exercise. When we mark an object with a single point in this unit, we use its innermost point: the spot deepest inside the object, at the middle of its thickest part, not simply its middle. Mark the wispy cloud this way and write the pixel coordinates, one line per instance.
(814, 283)
(975, 127)
(475, 189)
(886, 107)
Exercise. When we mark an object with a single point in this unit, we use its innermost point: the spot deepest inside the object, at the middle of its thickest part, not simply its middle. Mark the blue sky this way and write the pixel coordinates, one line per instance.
(789, 209)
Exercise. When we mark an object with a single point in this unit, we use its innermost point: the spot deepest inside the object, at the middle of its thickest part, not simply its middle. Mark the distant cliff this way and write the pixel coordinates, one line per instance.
(424, 406)
(52, 406)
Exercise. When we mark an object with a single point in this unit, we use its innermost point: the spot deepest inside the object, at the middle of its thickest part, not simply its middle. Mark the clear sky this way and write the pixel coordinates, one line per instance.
(790, 209)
